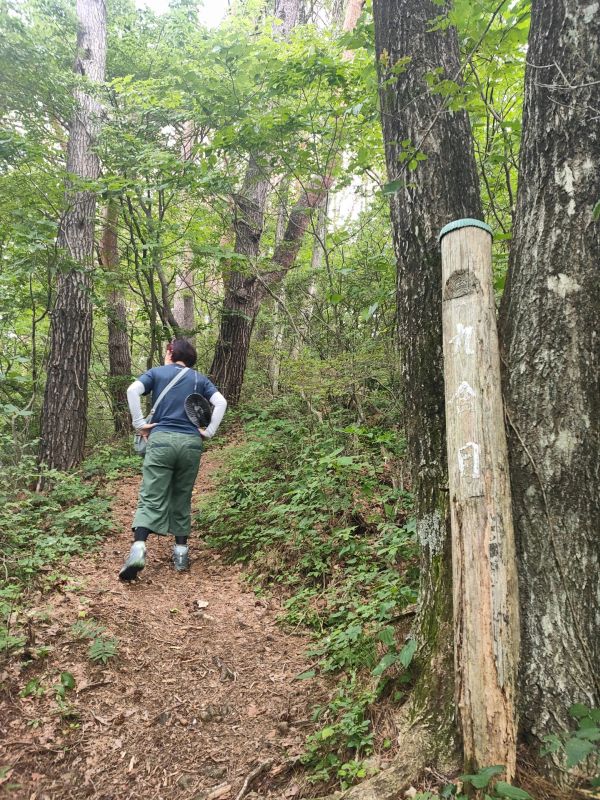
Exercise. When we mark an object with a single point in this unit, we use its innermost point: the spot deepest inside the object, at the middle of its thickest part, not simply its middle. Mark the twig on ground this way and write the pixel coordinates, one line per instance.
(251, 776)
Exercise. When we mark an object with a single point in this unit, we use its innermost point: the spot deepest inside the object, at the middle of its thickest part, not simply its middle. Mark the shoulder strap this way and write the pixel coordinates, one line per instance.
(164, 391)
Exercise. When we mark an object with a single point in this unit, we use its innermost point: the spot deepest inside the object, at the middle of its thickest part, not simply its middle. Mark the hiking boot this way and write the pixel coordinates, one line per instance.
(181, 557)
(136, 560)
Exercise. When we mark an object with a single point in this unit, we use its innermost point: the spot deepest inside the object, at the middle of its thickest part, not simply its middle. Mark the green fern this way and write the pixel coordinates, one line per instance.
(86, 629)
(103, 649)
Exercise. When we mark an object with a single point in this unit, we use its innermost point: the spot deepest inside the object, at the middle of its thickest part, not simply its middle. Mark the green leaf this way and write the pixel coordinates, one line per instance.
(386, 635)
(578, 710)
(103, 649)
(306, 676)
(577, 750)
(386, 661)
(367, 313)
(589, 732)
(512, 792)
(406, 654)
(327, 733)
(393, 186)
(553, 745)
(481, 779)
(596, 212)
(67, 680)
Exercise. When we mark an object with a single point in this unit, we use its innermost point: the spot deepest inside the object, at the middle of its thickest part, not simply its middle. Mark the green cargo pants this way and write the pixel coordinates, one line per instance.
(170, 468)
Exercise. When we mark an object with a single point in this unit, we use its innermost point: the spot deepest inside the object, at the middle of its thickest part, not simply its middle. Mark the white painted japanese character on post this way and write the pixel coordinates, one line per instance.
(464, 339)
(464, 397)
(468, 461)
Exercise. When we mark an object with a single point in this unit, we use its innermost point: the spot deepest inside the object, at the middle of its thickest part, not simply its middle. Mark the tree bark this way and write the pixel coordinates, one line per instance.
(287, 11)
(444, 187)
(64, 413)
(183, 302)
(118, 342)
(244, 294)
(551, 344)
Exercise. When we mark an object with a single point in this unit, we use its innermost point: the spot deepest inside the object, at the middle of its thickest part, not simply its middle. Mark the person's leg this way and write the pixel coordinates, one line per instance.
(152, 512)
(153, 505)
(180, 517)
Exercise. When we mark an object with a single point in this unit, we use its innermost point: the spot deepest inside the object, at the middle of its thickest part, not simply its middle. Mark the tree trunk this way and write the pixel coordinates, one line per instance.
(316, 261)
(183, 302)
(444, 187)
(118, 341)
(241, 302)
(551, 344)
(64, 414)
(287, 11)
(277, 333)
(243, 294)
(240, 306)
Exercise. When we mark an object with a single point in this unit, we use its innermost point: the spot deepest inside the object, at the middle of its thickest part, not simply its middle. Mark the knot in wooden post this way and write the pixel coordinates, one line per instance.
(486, 622)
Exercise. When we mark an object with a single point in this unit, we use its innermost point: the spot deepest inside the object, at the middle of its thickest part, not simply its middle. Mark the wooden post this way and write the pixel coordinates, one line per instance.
(486, 615)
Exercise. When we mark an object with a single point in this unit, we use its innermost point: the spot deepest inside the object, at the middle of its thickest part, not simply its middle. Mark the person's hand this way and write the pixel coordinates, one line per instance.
(203, 434)
(145, 429)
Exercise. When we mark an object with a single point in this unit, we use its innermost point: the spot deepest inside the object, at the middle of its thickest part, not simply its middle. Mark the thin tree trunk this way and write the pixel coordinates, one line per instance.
(551, 342)
(287, 11)
(240, 305)
(244, 293)
(278, 324)
(316, 261)
(118, 341)
(64, 414)
(183, 302)
(444, 187)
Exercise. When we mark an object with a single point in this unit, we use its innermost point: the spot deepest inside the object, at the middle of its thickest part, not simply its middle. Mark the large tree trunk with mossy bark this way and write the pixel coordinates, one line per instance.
(551, 345)
(419, 131)
(64, 412)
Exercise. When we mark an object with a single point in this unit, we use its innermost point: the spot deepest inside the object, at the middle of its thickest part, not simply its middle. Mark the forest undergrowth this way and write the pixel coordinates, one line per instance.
(319, 515)
(41, 531)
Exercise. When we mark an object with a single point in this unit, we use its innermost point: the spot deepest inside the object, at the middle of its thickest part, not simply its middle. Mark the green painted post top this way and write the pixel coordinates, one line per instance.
(464, 223)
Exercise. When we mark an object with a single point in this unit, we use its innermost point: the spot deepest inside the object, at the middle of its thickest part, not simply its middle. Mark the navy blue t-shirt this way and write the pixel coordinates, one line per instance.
(170, 414)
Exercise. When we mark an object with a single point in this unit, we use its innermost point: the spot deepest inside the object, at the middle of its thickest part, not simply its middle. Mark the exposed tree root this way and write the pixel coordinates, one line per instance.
(416, 747)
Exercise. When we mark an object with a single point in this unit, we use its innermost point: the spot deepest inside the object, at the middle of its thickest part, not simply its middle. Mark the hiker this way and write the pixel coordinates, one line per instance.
(173, 445)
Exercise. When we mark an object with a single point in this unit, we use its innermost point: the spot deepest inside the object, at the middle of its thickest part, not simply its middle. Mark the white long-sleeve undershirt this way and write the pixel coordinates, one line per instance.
(137, 389)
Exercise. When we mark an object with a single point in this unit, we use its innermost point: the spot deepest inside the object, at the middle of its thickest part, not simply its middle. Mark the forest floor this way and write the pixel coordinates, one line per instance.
(201, 695)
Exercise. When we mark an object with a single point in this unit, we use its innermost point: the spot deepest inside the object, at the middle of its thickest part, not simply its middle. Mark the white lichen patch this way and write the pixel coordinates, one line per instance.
(431, 531)
(566, 442)
(589, 12)
(562, 285)
(563, 177)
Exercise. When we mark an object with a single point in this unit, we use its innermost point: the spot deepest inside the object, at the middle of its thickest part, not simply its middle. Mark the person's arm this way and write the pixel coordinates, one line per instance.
(220, 406)
(134, 392)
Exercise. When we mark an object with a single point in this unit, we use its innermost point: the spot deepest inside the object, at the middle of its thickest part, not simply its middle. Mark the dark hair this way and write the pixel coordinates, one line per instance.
(182, 350)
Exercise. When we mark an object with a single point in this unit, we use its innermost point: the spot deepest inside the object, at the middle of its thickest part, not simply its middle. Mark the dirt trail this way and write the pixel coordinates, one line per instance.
(199, 696)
